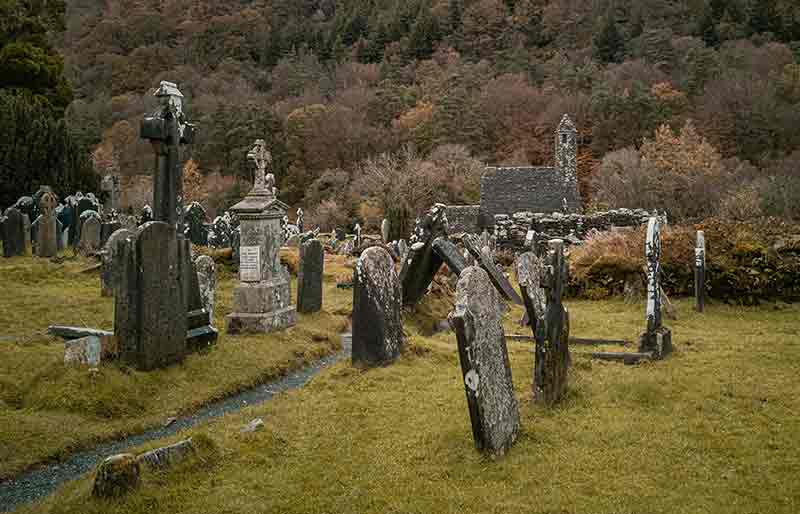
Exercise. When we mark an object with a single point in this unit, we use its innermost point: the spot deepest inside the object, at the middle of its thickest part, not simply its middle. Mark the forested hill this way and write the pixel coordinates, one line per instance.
(331, 83)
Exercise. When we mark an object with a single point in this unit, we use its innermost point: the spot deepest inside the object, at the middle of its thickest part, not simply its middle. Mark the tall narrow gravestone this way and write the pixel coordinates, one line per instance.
(378, 335)
(109, 258)
(309, 277)
(149, 308)
(657, 339)
(262, 300)
(484, 360)
(700, 272)
(14, 233)
(47, 232)
(550, 325)
(90, 236)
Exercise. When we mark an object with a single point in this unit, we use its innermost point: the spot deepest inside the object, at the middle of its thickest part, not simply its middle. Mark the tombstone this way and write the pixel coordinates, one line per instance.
(47, 233)
(657, 339)
(347, 247)
(358, 239)
(378, 336)
(339, 234)
(110, 264)
(486, 370)
(700, 272)
(64, 215)
(421, 262)
(90, 236)
(484, 259)
(26, 231)
(385, 230)
(200, 332)
(107, 228)
(150, 320)
(402, 248)
(300, 222)
(168, 130)
(551, 326)
(309, 277)
(262, 300)
(530, 275)
(110, 185)
(195, 220)
(146, 215)
(450, 255)
(14, 233)
(207, 280)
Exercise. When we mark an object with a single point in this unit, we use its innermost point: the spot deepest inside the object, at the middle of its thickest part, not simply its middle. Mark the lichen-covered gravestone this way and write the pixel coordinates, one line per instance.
(530, 272)
(700, 272)
(309, 276)
(551, 327)
(378, 336)
(484, 360)
(110, 270)
(207, 280)
(385, 230)
(47, 226)
(657, 339)
(421, 262)
(149, 310)
(14, 233)
(90, 236)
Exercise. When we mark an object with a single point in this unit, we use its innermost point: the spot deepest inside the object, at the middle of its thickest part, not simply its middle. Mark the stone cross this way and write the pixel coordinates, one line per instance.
(485, 367)
(358, 236)
(657, 339)
(47, 226)
(168, 130)
(300, 221)
(700, 271)
(263, 182)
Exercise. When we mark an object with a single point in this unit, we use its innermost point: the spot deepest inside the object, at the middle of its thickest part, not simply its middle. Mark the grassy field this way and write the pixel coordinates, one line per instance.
(712, 429)
(47, 409)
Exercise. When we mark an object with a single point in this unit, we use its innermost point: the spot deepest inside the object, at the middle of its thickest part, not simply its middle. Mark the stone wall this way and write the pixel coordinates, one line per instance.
(511, 231)
(510, 190)
(462, 218)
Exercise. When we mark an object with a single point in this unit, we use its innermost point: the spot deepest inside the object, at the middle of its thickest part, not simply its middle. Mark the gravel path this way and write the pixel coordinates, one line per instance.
(40, 482)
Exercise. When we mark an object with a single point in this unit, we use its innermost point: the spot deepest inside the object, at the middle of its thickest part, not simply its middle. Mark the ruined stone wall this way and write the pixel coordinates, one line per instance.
(510, 190)
(462, 218)
(511, 231)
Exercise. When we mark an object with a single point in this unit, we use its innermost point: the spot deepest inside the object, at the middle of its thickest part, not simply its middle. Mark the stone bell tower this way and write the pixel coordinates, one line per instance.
(567, 160)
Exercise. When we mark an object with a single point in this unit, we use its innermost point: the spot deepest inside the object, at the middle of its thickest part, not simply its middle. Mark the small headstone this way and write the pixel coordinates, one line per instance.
(309, 276)
(90, 236)
(385, 230)
(484, 360)
(90, 350)
(14, 233)
(47, 226)
(530, 275)
(207, 279)
(700, 272)
(657, 339)
(167, 456)
(195, 222)
(109, 258)
(378, 334)
(116, 476)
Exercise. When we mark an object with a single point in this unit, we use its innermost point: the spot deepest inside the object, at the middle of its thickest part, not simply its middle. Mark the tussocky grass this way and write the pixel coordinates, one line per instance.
(712, 429)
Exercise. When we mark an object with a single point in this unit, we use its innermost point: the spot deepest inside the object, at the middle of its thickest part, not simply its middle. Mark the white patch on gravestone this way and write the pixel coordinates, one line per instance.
(250, 263)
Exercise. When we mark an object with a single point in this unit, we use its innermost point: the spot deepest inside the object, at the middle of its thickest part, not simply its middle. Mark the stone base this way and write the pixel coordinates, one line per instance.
(245, 323)
(658, 343)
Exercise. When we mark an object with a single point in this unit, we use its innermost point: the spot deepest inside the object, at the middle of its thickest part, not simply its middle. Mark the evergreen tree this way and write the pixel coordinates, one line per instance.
(424, 35)
(609, 45)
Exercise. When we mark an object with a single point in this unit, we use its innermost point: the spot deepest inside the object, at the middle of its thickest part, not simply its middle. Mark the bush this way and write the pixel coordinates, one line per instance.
(745, 262)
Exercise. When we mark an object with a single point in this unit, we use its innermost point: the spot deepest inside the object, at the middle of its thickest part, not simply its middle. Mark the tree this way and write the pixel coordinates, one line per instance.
(609, 45)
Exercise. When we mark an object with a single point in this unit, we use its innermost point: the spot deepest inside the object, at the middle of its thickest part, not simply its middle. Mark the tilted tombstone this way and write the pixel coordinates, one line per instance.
(47, 233)
(484, 260)
(551, 331)
(14, 233)
(657, 339)
(530, 275)
(421, 262)
(110, 255)
(300, 222)
(485, 367)
(450, 255)
(149, 310)
(196, 220)
(90, 236)
(207, 280)
(200, 332)
(309, 276)
(378, 336)
(700, 272)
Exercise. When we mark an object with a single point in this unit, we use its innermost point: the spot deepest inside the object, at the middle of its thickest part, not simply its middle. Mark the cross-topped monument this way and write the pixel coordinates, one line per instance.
(263, 183)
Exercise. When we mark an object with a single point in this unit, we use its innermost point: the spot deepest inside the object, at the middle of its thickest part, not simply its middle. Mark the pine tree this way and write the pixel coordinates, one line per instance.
(609, 45)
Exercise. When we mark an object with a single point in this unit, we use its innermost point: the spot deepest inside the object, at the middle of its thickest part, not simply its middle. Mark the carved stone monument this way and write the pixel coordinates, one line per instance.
(309, 276)
(700, 272)
(262, 300)
(657, 339)
(47, 226)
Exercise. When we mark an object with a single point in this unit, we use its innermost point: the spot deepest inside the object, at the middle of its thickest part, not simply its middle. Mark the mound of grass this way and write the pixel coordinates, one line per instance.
(48, 410)
(712, 429)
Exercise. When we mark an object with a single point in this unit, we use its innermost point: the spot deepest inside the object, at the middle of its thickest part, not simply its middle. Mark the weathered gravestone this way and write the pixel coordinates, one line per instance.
(262, 300)
(146, 215)
(551, 327)
(378, 336)
(195, 219)
(358, 240)
(150, 308)
(657, 339)
(385, 230)
(109, 258)
(484, 360)
(484, 260)
(300, 223)
(530, 275)
(14, 233)
(207, 280)
(47, 226)
(421, 262)
(110, 185)
(107, 228)
(450, 255)
(200, 332)
(309, 276)
(90, 236)
(700, 272)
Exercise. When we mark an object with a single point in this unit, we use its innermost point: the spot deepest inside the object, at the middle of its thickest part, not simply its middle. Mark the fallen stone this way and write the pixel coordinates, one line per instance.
(254, 426)
(624, 357)
(116, 476)
(167, 456)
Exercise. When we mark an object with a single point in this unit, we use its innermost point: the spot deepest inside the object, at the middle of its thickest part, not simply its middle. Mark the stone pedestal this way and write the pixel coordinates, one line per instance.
(262, 301)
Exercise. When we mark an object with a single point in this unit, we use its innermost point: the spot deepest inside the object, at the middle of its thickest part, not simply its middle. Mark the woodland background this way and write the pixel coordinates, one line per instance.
(374, 107)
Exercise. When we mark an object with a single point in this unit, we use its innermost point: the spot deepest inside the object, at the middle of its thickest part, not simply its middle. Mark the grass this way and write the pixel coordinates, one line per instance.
(712, 429)
(48, 410)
